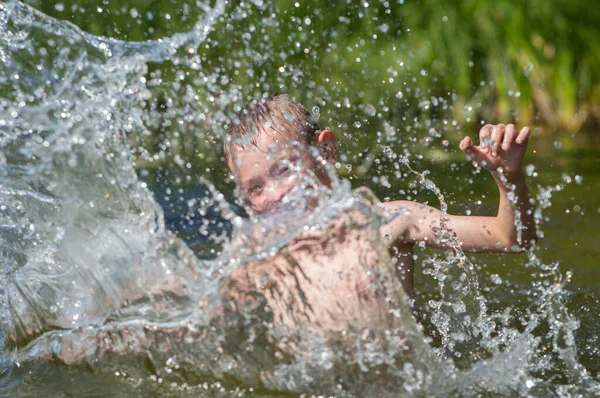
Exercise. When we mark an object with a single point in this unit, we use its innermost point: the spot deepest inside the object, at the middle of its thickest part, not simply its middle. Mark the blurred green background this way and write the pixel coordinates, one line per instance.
(378, 71)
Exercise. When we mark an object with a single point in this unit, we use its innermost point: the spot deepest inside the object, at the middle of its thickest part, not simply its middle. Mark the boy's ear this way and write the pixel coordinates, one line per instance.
(327, 144)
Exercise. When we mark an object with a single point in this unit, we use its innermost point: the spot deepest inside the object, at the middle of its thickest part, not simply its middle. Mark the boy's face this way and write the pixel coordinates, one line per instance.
(267, 172)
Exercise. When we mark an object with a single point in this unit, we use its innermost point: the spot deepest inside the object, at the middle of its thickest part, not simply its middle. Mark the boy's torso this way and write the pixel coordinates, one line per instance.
(327, 279)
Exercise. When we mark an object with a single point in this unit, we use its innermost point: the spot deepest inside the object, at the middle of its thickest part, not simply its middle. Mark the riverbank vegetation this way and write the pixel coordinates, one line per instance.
(399, 73)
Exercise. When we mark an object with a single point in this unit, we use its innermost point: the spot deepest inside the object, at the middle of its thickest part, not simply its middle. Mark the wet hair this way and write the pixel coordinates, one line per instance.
(275, 114)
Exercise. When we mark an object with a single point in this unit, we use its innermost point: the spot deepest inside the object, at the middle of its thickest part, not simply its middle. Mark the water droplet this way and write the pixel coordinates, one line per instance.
(384, 28)
(316, 112)
(370, 110)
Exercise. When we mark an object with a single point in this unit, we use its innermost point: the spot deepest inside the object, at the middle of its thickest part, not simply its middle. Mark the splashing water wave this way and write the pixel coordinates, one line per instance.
(98, 294)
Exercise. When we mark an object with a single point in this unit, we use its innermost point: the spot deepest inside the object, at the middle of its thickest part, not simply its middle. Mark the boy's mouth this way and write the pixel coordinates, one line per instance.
(293, 205)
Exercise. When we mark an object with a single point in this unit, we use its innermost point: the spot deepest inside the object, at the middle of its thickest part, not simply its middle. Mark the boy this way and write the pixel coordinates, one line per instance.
(268, 150)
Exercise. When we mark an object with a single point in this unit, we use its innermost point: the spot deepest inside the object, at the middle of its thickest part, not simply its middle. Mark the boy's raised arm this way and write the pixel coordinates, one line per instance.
(501, 151)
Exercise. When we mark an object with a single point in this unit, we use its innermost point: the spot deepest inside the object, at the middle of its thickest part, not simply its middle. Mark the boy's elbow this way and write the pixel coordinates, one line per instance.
(520, 239)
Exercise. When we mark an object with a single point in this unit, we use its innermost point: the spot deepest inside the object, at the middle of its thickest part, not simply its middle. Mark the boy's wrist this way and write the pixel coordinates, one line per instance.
(513, 176)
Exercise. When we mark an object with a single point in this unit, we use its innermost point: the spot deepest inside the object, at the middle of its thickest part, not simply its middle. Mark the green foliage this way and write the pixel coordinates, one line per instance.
(380, 72)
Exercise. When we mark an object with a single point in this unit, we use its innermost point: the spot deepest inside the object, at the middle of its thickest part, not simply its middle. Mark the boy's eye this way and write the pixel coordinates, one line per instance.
(283, 170)
(255, 189)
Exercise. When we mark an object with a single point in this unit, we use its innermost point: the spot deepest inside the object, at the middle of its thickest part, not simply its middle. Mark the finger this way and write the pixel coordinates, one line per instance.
(473, 153)
(523, 136)
(466, 145)
(484, 137)
(497, 133)
(509, 135)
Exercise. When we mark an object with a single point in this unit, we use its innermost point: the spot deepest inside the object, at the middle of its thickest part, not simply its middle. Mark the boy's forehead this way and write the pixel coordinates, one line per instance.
(267, 143)
(265, 149)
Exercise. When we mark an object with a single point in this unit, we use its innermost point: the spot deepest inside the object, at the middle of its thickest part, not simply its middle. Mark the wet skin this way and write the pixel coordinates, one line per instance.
(327, 279)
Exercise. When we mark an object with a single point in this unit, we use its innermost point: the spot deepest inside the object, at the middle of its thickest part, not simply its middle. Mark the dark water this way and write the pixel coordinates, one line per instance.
(571, 238)
(570, 228)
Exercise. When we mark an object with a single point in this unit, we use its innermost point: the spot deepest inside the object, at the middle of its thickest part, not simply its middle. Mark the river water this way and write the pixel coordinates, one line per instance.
(113, 267)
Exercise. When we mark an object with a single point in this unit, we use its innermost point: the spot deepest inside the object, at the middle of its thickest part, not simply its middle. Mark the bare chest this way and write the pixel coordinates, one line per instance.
(326, 280)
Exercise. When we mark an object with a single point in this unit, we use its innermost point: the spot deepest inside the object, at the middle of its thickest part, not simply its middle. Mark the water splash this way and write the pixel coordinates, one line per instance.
(91, 276)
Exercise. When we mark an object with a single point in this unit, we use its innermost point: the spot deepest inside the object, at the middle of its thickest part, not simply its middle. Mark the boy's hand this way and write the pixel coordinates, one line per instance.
(500, 146)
